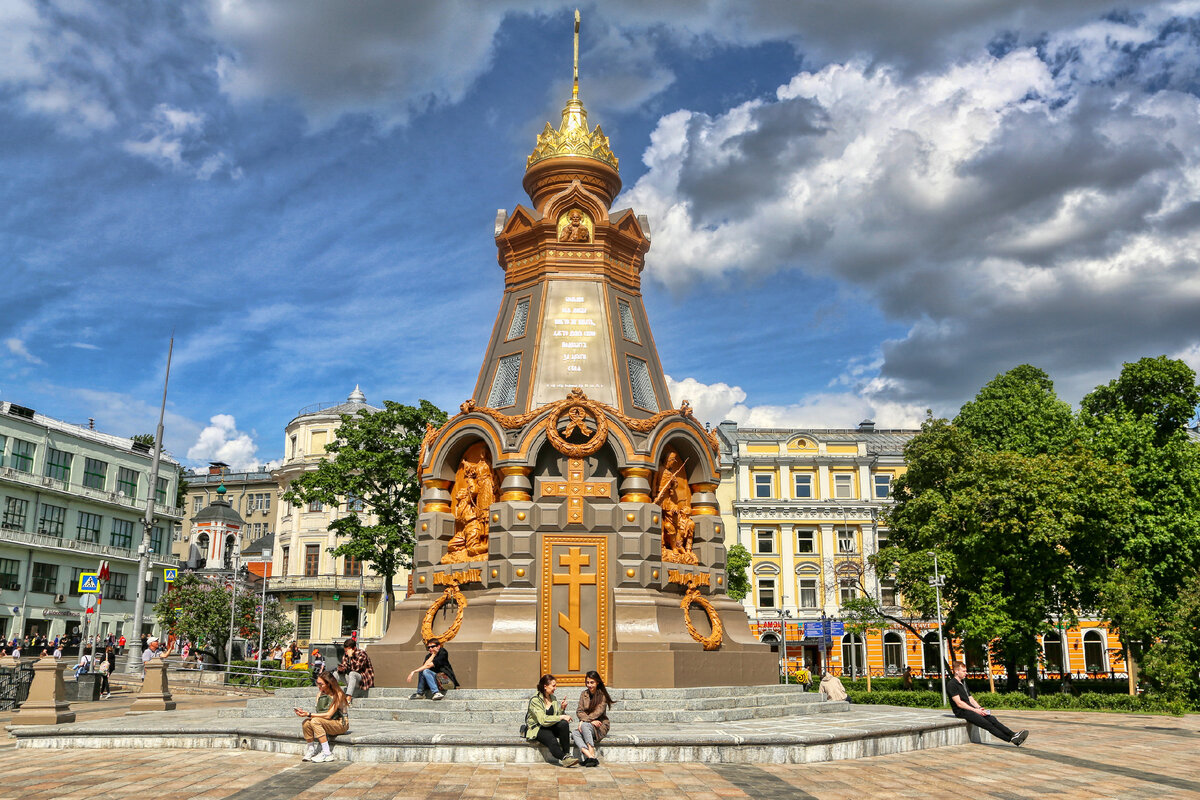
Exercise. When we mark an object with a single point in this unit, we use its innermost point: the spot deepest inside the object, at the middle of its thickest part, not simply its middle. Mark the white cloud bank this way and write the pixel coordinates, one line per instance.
(222, 441)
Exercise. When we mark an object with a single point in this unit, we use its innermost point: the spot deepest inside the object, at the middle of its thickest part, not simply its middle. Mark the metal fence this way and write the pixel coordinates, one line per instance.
(14, 685)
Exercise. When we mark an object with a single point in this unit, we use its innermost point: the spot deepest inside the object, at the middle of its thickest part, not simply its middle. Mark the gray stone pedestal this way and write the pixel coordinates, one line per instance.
(155, 694)
(47, 703)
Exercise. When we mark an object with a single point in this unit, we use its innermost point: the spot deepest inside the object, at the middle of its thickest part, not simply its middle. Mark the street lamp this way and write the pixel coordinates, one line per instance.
(237, 552)
(262, 609)
(937, 582)
(784, 615)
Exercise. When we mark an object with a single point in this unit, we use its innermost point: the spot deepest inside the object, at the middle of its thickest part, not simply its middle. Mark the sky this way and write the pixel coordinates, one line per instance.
(863, 209)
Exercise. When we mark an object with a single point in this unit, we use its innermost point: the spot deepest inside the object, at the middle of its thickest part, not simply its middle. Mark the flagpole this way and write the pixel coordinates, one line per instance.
(134, 661)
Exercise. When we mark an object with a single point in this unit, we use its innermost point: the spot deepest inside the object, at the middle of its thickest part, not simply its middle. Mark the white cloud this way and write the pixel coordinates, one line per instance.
(222, 441)
(18, 349)
(174, 137)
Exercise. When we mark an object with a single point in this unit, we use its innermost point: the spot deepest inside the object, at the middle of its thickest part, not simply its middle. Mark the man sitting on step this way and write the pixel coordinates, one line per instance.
(965, 707)
(356, 669)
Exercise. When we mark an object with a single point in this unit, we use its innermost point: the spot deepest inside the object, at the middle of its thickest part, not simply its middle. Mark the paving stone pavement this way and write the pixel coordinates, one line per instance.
(1068, 755)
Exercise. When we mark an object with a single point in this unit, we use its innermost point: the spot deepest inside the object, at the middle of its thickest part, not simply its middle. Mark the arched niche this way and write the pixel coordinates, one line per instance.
(695, 454)
(453, 447)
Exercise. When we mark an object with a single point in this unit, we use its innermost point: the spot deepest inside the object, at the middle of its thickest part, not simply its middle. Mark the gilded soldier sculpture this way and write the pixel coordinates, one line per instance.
(474, 491)
(674, 497)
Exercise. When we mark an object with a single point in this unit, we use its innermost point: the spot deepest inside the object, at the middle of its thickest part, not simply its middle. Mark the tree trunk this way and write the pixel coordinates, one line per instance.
(1131, 670)
(987, 651)
(1011, 679)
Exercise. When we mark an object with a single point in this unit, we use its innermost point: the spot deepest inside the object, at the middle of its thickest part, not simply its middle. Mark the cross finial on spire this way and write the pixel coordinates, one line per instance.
(575, 88)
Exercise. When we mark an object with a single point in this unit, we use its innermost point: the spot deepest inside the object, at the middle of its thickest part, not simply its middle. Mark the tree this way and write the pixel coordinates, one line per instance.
(1017, 411)
(737, 565)
(373, 468)
(1162, 390)
(1172, 664)
(197, 607)
(181, 488)
(860, 616)
(144, 438)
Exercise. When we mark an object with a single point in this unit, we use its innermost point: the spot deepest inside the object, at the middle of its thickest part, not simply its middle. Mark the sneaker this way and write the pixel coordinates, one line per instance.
(591, 762)
(438, 695)
(310, 751)
(417, 696)
(568, 761)
(1020, 738)
(321, 758)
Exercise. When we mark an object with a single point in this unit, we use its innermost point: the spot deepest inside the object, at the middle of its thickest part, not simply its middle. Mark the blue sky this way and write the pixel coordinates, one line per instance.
(862, 209)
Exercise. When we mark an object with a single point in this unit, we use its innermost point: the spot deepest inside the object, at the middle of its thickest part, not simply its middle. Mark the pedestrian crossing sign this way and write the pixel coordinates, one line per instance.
(89, 582)
(169, 575)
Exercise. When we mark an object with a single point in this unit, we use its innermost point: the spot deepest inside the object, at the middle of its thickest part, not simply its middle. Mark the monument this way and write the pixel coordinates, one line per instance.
(568, 519)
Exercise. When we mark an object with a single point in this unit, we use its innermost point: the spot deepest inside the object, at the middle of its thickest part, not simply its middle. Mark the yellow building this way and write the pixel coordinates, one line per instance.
(808, 504)
(321, 592)
(253, 494)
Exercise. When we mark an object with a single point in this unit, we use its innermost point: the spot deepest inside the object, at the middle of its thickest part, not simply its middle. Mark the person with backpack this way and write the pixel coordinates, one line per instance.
(105, 665)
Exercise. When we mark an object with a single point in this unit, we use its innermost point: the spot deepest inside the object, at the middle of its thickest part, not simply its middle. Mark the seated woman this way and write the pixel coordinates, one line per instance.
(592, 713)
(436, 674)
(546, 723)
(331, 718)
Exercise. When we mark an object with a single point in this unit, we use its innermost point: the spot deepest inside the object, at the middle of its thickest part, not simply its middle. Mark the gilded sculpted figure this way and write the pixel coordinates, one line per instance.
(575, 230)
(474, 490)
(674, 496)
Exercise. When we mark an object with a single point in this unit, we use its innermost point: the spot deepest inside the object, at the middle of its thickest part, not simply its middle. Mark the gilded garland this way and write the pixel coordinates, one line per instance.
(713, 640)
(452, 592)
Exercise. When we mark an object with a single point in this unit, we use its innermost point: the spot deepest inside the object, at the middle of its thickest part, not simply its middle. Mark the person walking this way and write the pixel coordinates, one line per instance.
(331, 718)
(592, 714)
(435, 675)
(964, 706)
(546, 723)
(316, 664)
(357, 669)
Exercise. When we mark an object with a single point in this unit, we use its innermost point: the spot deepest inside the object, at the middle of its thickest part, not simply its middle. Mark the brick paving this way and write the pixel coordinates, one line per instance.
(1068, 755)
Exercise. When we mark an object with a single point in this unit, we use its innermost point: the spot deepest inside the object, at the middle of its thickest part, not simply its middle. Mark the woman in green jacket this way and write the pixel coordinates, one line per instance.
(546, 723)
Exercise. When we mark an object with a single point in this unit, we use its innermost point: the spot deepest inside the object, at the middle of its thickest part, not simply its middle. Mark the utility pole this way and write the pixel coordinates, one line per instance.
(936, 582)
(133, 663)
(262, 614)
(237, 552)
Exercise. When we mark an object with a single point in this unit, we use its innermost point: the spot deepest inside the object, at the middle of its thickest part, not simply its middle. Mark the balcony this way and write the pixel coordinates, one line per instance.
(43, 483)
(45, 542)
(324, 583)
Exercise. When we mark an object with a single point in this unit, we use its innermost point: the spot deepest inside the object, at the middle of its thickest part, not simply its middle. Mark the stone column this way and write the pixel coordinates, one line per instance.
(635, 485)
(155, 694)
(515, 486)
(47, 703)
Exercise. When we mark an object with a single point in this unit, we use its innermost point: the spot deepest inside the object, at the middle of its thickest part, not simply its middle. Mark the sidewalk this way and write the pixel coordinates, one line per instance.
(1068, 755)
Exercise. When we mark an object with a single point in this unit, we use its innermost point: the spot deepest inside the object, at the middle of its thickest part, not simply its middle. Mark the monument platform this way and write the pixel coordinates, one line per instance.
(733, 725)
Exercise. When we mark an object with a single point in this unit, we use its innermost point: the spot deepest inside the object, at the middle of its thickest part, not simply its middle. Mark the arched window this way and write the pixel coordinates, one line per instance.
(1052, 646)
(932, 653)
(230, 544)
(893, 653)
(1095, 655)
(854, 655)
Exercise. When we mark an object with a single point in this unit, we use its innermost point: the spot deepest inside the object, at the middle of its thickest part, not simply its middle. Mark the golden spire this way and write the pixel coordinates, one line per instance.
(572, 137)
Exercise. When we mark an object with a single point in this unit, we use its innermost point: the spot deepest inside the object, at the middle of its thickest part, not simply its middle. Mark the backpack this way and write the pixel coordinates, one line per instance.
(102, 667)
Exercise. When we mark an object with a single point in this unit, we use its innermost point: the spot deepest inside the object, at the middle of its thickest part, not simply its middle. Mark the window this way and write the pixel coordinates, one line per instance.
(803, 482)
(315, 505)
(1094, 655)
(808, 592)
(293, 448)
(58, 465)
(160, 490)
(304, 622)
(806, 540)
(349, 620)
(504, 385)
(628, 328)
(88, 529)
(10, 573)
(15, 511)
(197, 504)
(352, 567)
(354, 503)
(843, 486)
(312, 560)
(121, 534)
(283, 562)
(764, 484)
(847, 590)
(45, 578)
(22, 455)
(93, 473)
(52, 521)
(3, 439)
(156, 539)
(887, 593)
(846, 540)
(127, 482)
(117, 586)
(764, 540)
(640, 387)
(883, 485)
(231, 550)
(73, 588)
(854, 654)
(1052, 646)
(931, 648)
(893, 653)
(152, 591)
(259, 502)
(766, 592)
(516, 328)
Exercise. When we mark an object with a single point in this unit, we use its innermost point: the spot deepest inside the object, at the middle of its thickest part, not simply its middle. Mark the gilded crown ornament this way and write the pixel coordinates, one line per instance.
(573, 137)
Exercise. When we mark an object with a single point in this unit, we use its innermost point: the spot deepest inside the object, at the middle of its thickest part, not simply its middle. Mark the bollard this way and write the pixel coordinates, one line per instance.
(47, 703)
(155, 694)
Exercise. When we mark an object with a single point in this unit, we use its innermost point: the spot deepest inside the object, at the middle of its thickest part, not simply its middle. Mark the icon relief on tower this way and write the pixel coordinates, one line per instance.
(575, 226)
(674, 496)
(474, 491)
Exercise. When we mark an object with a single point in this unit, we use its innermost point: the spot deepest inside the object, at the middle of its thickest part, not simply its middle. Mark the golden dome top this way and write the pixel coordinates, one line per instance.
(573, 137)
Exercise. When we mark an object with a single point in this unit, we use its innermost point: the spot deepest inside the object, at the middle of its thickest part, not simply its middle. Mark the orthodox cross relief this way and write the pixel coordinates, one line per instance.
(474, 491)
(572, 621)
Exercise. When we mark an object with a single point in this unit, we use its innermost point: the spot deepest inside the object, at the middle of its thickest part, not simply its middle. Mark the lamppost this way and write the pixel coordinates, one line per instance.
(784, 615)
(936, 582)
(237, 551)
(262, 609)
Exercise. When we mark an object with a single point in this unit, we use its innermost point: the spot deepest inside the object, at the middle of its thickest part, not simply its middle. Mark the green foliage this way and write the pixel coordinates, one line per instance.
(1018, 412)
(181, 487)
(1088, 701)
(143, 438)
(1171, 665)
(737, 575)
(198, 608)
(1161, 390)
(374, 458)
(275, 680)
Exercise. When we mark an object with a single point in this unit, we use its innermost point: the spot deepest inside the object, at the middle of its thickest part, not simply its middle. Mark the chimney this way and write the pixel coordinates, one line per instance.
(866, 426)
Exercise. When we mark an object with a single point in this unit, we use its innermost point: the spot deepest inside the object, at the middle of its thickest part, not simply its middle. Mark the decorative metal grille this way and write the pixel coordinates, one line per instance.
(504, 386)
(640, 386)
(627, 327)
(516, 328)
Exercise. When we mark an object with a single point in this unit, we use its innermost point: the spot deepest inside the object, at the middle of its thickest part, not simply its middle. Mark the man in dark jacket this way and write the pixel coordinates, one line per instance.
(438, 663)
(965, 707)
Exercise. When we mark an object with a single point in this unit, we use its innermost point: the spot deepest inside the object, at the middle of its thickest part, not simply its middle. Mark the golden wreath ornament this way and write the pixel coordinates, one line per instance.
(452, 591)
(713, 640)
(575, 408)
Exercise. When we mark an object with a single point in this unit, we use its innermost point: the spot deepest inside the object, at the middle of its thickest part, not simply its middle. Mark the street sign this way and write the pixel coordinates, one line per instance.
(87, 601)
(837, 628)
(89, 582)
(169, 575)
(812, 630)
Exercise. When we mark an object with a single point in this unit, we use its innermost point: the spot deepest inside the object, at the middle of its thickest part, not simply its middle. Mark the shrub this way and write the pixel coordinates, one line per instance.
(1088, 701)
(271, 680)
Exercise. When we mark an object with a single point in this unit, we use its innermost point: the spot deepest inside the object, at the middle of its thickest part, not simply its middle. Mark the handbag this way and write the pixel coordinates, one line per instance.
(444, 683)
